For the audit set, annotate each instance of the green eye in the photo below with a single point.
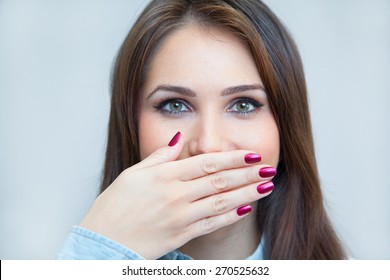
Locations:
(243, 107)
(175, 106)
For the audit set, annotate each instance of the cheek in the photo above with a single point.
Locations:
(154, 133)
(150, 138)
(270, 147)
(262, 138)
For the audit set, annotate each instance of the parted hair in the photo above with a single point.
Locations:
(292, 220)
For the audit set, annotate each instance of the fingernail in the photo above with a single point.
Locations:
(175, 139)
(264, 188)
(252, 158)
(244, 210)
(267, 172)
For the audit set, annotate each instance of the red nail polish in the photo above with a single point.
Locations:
(252, 158)
(266, 172)
(264, 188)
(244, 210)
(175, 139)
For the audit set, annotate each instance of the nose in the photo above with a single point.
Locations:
(207, 135)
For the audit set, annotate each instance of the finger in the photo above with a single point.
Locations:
(165, 154)
(227, 180)
(211, 224)
(224, 202)
(205, 164)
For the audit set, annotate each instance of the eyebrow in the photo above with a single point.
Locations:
(190, 93)
(241, 88)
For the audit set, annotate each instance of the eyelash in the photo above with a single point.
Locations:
(160, 107)
(252, 102)
(249, 100)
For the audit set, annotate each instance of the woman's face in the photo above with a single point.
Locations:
(205, 84)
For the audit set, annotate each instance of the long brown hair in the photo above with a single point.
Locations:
(292, 220)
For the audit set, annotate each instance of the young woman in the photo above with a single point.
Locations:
(210, 153)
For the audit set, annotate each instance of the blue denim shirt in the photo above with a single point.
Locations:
(83, 244)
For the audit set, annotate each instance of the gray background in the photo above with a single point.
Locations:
(55, 62)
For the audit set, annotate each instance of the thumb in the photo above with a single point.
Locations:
(167, 153)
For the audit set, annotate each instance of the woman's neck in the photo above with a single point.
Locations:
(237, 241)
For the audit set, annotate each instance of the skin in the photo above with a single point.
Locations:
(208, 65)
(186, 196)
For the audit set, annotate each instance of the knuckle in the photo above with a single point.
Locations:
(218, 182)
(238, 160)
(252, 196)
(230, 218)
(208, 225)
(167, 170)
(220, 204)
(159, 155)
(126, 173)
(251, 175)
(209, 165)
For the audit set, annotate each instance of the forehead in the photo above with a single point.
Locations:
(197, 53)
